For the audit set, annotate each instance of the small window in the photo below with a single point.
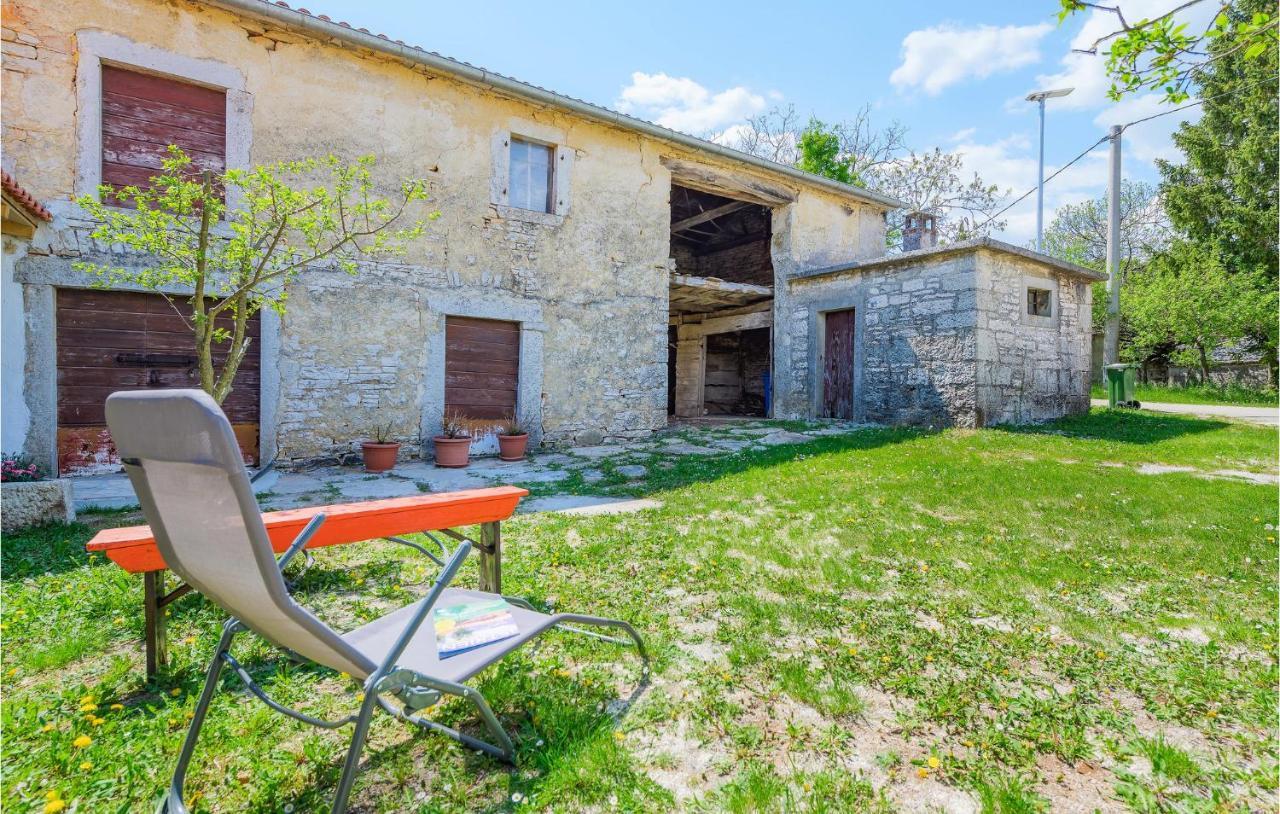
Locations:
(1038, 302)
(531, 176)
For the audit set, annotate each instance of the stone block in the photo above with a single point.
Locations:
(36, 502)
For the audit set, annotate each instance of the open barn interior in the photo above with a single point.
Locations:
(721, 301)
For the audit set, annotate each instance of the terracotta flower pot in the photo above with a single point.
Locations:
(379, 457)
(512, 447)
(452, 453)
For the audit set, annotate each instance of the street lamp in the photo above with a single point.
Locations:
(1040, 96)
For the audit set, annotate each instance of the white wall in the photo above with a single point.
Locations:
(14, 414)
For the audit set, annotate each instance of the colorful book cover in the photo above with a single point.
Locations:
(472, 624)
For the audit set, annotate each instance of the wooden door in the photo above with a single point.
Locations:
(124, 340)
(837, 366)
(482, 367)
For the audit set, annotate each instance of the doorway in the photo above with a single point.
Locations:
(837, 365)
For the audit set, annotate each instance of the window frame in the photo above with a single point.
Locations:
(1033, 298)
(549, 202)
(100, 47)
(561, 173)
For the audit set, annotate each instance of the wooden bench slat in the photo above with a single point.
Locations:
(133, 548)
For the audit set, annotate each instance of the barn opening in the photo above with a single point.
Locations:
(721, 305)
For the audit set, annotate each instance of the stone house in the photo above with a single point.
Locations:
(591, 274)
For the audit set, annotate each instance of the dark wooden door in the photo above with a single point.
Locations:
(482, 368)
(837, 367)
(123, 340)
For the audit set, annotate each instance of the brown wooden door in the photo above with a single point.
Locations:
(837, 367)
(123, 340)
(482, 367)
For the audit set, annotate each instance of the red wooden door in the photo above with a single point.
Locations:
(124, 340)
(837, 368)
(482, 368)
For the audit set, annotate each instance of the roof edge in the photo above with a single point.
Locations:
(323, 27)
(22, 198)
(962, 247)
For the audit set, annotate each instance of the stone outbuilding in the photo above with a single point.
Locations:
(591, 274)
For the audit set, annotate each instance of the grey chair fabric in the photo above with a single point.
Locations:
(184, 462)
(375, 639)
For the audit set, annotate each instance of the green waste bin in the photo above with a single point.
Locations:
(1120, 383)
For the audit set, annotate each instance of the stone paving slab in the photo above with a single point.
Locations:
(330, 484)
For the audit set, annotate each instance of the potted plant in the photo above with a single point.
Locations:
(380, 451)
(513, 440)
(31, 499)
(453, 444)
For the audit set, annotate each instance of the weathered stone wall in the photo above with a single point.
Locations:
(915, 340)
(588, 283)
(1030, 368)
(814, 232)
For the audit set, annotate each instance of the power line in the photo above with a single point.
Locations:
(1059, 171)
(1123, 127)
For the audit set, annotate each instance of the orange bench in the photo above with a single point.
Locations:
(133, 548)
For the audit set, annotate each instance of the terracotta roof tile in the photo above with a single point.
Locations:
(23, 197)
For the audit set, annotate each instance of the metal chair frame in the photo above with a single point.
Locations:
(413, 690)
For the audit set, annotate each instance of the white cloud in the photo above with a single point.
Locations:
(963, 135)
(940, 56)
(1087, 72)
(1010, 163)
(683, 104)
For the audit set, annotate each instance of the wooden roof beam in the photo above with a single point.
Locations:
(710, 214)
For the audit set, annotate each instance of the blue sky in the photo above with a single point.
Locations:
(954, 74)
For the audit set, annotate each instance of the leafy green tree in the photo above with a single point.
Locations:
(1161, 53)
(238, 260)
(820, 153)
(1223, 195)
(1188, 300)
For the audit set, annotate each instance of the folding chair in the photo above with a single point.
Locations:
(183, 460)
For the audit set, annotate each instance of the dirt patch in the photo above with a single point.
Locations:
(1080, 789)
(680, 762)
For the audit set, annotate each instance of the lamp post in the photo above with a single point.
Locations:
(1040, 96)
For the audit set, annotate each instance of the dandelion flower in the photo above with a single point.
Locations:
(853, 651)
(86, 766)
(922, 772)
(53, 806)
(82, 741)
(189, 640)
(175, 692)
(98, 721)
(619, 735)
(88, 707)
(52, 794)
(117, 707)
(47, 728)
(934, 762)
(344, 675)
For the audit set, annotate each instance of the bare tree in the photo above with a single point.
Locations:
(775, 135)
(1078, 232)
(933, 182)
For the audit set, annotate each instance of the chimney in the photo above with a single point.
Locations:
(919, 231)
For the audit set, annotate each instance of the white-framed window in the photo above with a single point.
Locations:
(532, 176)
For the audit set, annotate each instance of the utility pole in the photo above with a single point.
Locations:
(1111, 337)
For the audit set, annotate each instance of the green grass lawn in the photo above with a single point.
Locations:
(1197, 394)
(1017, 620)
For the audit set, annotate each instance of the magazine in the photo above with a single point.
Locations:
(466, 625)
